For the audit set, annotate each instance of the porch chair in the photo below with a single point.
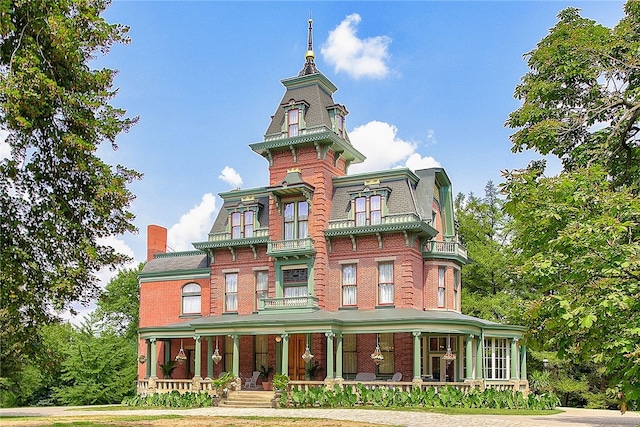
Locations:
(396, 377)
(252, 382)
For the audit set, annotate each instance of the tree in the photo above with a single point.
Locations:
(579, 239)
(119, 305)
(99, 367)
(581, 97)
(57, 197)
(483, 227)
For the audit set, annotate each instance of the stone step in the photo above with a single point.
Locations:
(250, 399)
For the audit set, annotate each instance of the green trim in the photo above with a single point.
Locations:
(200, 273)
(309, 80)
(323, 137)
(419, 227)
(386, 175)
(238, 194)
(231, 242)
(178, 254)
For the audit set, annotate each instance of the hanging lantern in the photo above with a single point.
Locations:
(377, 356)
(449, 356)
(216, 354)
(181, 357)
(307, 356)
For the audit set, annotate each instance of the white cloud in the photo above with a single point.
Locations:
(416, 162)
(356, 57)
(380, 144)
(378, 141)
(431, 137)
(193, 226)
(231, 177)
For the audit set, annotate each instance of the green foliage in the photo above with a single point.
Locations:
(98, 368)
(173, 399)
(58, 198)
(581, 96)
(265, 371)
(484, 229)
(579, 238)
(119, 305)
(443, 397)
(167, 368)
(280, 381)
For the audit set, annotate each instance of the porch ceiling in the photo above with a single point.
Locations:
(345, 321)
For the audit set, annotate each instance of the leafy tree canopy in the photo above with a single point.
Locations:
(579, 239)
(57, 198)
(581, 97)
(119, 304)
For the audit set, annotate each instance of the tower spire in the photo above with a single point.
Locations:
(309, 65)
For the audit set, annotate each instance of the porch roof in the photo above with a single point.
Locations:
(346, 321)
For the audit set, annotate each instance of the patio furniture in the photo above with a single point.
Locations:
(396, 377)
(365, 376)
(253, 381)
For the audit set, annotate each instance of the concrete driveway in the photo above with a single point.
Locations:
(571, 417)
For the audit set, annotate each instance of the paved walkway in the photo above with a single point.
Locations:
(572, 417)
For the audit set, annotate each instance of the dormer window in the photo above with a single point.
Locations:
(242, 224)
(293, 121)
(368, 210)
(337, 113)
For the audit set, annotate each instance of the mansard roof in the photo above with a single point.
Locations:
(241, 198)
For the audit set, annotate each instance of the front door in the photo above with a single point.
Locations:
(442, 370)
(297, 345)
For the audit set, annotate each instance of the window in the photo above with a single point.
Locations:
(191, 298)
(374, 214)
(231, 292)
(242, 224)
(294, 282)
(496, 360)
(293, 122)
(349, 354)
(385, 283)
(228, 354)
(439, 344)
(262, 286)
(387, 366)
(456, 287)
(340, 120)
(261, 352)
(349, 289)
(296, 220)
(441, 285)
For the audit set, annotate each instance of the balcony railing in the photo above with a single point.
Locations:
(445, 248)
(386, 220)
(218, 237)
(290, 246)
(282, 303)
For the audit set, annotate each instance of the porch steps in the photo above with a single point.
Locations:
(250, 399)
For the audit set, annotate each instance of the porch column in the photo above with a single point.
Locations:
(209, 359)
(198, 357)
(523, 362)
(154, 359)
(339, 355)
(330, 336)
(479, 357)
(469, 357)
(236, 356)
(514, 359)
(285, 354)
(417, 375)
(148, 355)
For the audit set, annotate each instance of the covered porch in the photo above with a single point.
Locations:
(425, 348)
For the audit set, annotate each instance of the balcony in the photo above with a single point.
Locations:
(290, 248)
(448, 250)
(286, 303)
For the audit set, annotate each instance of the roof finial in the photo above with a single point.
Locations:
(309, 66)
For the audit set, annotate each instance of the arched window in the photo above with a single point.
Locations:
(191, 298)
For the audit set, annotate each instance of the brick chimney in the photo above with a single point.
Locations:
(156, 241)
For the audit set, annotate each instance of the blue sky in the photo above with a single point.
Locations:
(425, 83)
